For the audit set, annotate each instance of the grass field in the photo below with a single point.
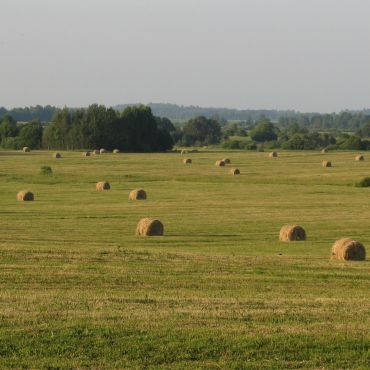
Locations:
(78, 289)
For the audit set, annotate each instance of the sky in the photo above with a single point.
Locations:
(307, 55)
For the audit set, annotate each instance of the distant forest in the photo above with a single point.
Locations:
(346, 120)
(137, 128)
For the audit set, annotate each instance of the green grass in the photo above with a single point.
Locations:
(78, 290)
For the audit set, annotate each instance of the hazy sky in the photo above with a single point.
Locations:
(308, 55)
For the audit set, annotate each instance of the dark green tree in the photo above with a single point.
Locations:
(265, 131)
(8, 128)
(202, 131)
(30, 135)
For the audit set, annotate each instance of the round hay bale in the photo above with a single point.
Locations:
(187, 161)
(137, 194)
(102, 185)
(273, 155)
(26, 149)
(116, 151)
(57, 155)
(347, 249)
(86, 154)
(25, 196)
(235, 171)
(360, 158)
(102, 151)
(220, 163)
(326, 164)
(184, 152)
(149, 227)
(227, 160)
(96, 152)
(291, 233)
(325, 150)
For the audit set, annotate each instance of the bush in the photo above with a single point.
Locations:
(364, 183)
(231, 144)
(11, 143)
(352, 142)
(271, 144)
(46, 170)
(239, 144)
(249, 145)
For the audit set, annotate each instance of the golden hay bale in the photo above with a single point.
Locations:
(25, 195)
(149, 227)
(360, 158)
(96, 152)
(187, 161)
(26, 149)
(184, 152)
(137, 194)
(325, 150)
(116, 151)
(290, 233)
(235, 171)
(220, 163)
(227, 160)
(102, 151)
(273, 155)
(326, 164)
(86, 154)
(348, 249)
(102, 185)
(57, 155)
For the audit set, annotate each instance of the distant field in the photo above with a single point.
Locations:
(78, 289)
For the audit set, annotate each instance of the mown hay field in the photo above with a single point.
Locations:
(79, 290)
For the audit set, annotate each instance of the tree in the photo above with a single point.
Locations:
(135, 129)
(351, 142)
(202, 131)
(364, 131)
(8, 127)
(265, 131)
(138, 129)
(165, 124)
(62, 123)
(30, 135)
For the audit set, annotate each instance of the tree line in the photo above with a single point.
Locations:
(135, 129)
(293, 136)
(346, 120)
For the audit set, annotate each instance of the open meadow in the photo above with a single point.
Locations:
(78, 289)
